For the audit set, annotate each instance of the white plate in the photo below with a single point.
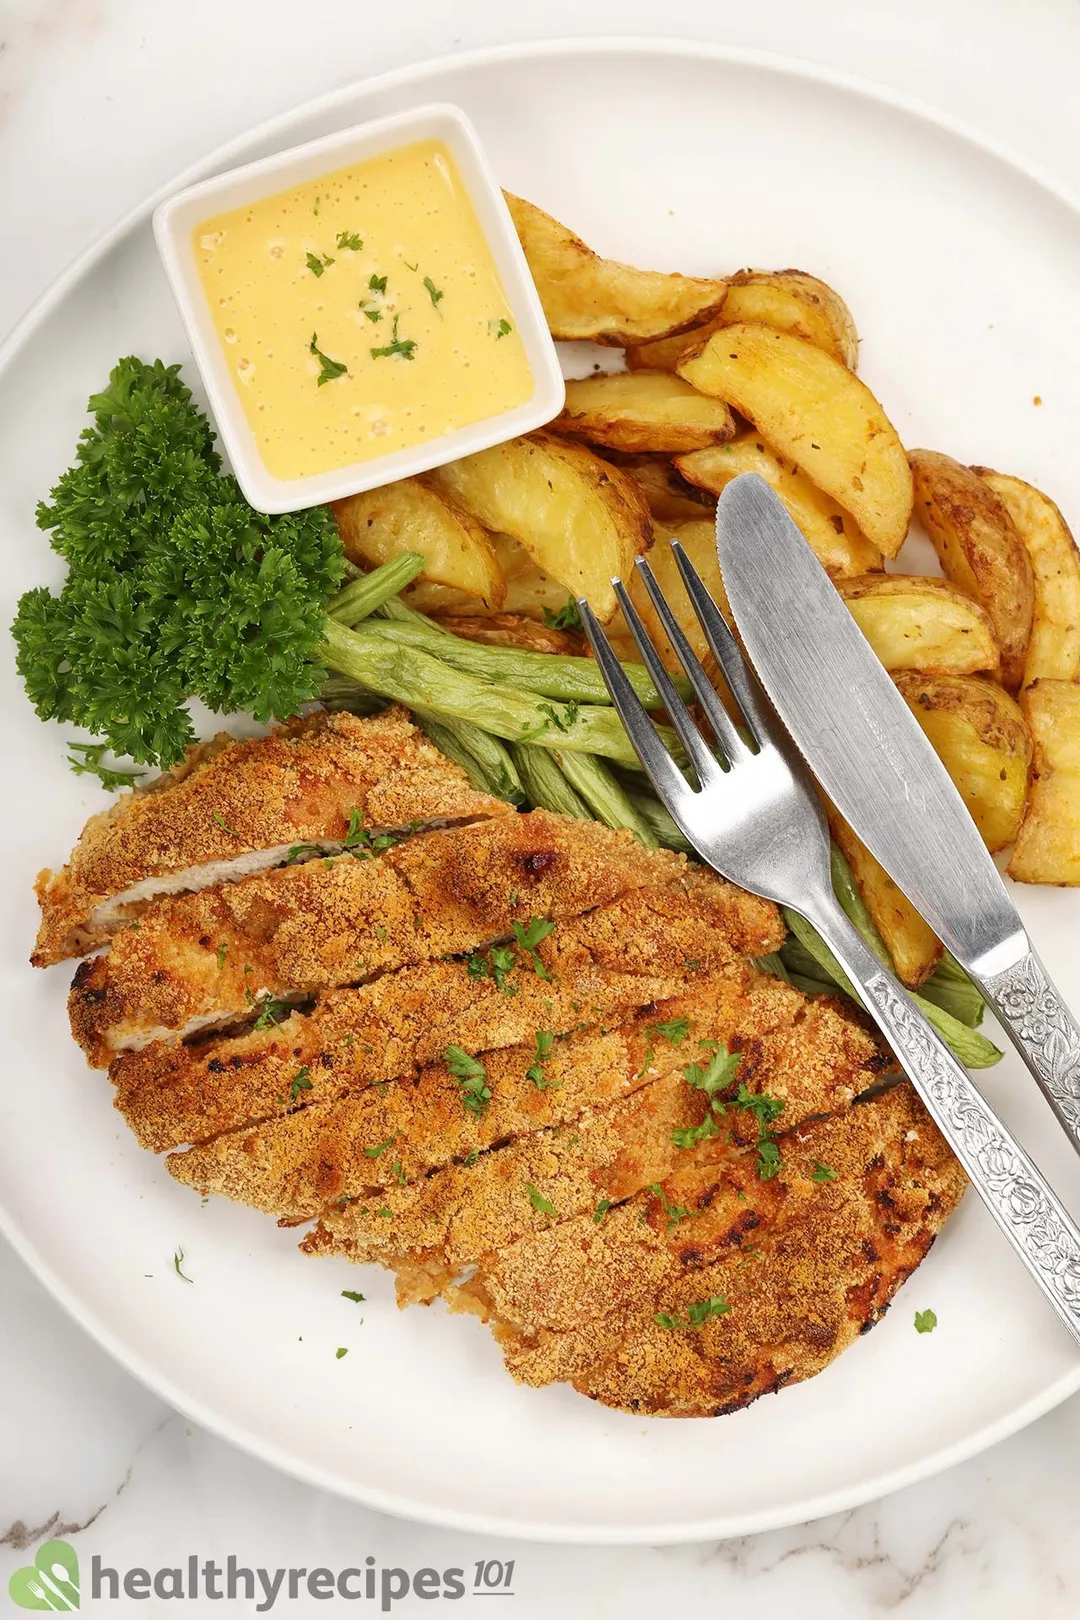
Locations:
(962, 270)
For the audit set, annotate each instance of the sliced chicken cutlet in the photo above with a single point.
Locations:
(603, 1149)
(640, 949)
(238, 807)
(696, 1297)
(209, 958)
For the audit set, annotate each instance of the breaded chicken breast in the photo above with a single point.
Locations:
(234, 808)
(600, 967)
(716, 1286)
(204, 959)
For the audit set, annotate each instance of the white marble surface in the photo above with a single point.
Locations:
(100, 101)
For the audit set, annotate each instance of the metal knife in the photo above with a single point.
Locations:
(870, 755)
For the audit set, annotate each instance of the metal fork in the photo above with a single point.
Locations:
(756, 818)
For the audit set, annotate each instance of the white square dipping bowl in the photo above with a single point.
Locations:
(175, 221)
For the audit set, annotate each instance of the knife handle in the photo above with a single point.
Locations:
(1044, 1032)
(1013, 1188)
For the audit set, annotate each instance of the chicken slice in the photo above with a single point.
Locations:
(239, 807)
(605, 1149)
(695, 1298)
(207, 959)
(640, 949)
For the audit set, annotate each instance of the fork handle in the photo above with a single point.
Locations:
(1043, 1030)
(1012, 1187)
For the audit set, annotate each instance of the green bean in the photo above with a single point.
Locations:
(368, 592)
(545, 785)
(605, 795)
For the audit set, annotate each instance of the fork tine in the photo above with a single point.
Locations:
(660, 768)
(728, 654)
(731, 743)
(706, 766)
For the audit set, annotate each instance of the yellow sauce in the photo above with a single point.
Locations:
(387, 254)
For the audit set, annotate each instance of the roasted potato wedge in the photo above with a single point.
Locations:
(833, 533)
(585, 296)
(912, 943)
(922, 624)
(698, 540)
(580, 518)
(816, 413)
(979, 549)
(514, 630)
(643, 410)
(529, 591)
(787, 300)
(1048, 843)
(669, 497)
(1053, 652)
(414, 516)
(983, 741)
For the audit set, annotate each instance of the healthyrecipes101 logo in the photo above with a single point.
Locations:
(51, 1581)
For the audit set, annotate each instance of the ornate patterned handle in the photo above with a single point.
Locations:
(1013, 1189)
(1044, 1032)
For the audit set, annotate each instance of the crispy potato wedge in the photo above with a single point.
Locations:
(585, 296)
(698, 540)
(580, 518)
(669, 497)
(922, 624)
(514, 630)
(1053, 652)
(1048, 843)
(983, 741)
(912, 943)
(816, 413)
(529, 591)
(787, 300)
(641, 411)
(979, 549)
(414, 516)
(833, 533)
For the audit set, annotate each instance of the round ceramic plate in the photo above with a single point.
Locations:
(961, 268)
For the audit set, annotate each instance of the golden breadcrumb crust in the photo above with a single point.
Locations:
(209, 957)
(300, 784)
(642, 948)
(804, 1263)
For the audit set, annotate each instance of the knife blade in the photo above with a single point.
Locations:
(871, 757)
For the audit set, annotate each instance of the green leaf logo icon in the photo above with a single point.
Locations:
(51, 1581)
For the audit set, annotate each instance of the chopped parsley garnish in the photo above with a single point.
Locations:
(317, 263)
(564, 618)
(224, 825)
(713, 1078)
(272, 1011)
(405, 347)
(601, 1210)
(350, 240)
(472, 1078)
(222, 953)
(471, 1158)
(532, 934)
(765, 1109)
(111, 779)
(303, 852)
(822, 1172)
(435, 293)
(350, 1293)
(372, 312)
(397, 1170)
(178, 1261)
(501, 327)
(342, 1350)
(692, 1135)
(674, 1031)
(330, 368)
(545, 1040)
(562, 721)
(696, 1314)
(498, 962)
(925, 1321)
(674, 1212)
(353, 832)
(301, 1082)
(691, 964)
(409, 266)
(387, 1214)
(377, 284)
(376, 1152)
(542, 1205)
